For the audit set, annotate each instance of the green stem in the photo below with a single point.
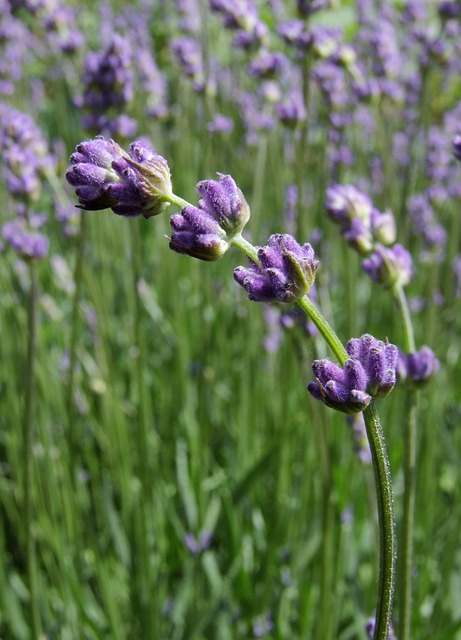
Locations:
(246, 247)
(401, 300)
(323, 326)
(408, 516)
(78, 278)
(28, 425)
(387, 540)
(305, 303)
(144, 592)
(406, 542)
(179, 202)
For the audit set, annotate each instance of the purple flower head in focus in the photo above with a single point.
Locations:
(417, 368)
(131, 184)
(389, 266)
(379, 360)
(370, 372)
(285, 274)
(340, 388)
(205, 232)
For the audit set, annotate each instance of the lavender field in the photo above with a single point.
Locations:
(230, 313)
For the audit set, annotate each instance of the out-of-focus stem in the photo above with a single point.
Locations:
(28, 426)
(78, 278)
(409, 466)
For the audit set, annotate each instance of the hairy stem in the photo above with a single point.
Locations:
(386, 521)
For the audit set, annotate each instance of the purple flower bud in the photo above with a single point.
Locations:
(383, 227)
(292, 111)
(389, 266)
(358, 236)
(267, 64)
(28, 244)
(417, 368)
(220, 124)
(449, 9)
(379, 360)
(223, 200)
(346, 202)
(196, 233)
(370, 372)
(286, 271)
(205, 232)
(105, 176)
(341, 388)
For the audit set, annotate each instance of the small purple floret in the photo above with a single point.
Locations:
(370, 372)
(285, 274)
(379, 360)
(131, 184)
(389, 266)
(205, 232)
(418, 367)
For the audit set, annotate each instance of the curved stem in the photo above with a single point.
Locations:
(305, 303)
(248, 249)
(27, 432)
(386, 521)
(323, 326)
(179, 202)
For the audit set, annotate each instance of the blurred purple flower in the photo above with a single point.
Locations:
(417, 368)
(26, 243)
(389, 266)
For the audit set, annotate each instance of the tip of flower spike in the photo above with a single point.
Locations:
(131, 184)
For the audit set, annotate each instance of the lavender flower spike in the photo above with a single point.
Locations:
(379, 360)
(131, 184)
(343, 389)
(370, 372)
(417, 368)
(389, 266)
(285, 274)
(205, 232)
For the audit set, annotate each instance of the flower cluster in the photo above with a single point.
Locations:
(25, 153)
(285, 273)
(27, 243)
(131, 184)
(108, 81)
(371, 233)
(417, 368)
(369, 373)
(205, 231)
